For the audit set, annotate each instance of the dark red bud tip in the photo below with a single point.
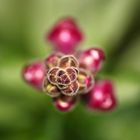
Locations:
(102, 96)
(34, 74)
(65, 103)
(65, 35)
(92, 59)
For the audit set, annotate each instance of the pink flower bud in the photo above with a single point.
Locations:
(34, 73)
(92, 59)
(102, 96)
(65, 103)
(65, 35)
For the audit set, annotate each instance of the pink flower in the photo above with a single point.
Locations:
(66, 78)
(34, 74)
(65, 35)
(102, 96)
(67, 74)
(92, 59)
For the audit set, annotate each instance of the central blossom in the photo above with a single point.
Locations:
(65, 76)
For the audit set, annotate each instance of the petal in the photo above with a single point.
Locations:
(72, 73)
(50, 89)
(86, 81)
(52, 75)
(68, 61)
(71, 90)
(62, 86)
(63, 78)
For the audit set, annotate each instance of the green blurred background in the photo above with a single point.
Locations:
(26, 114)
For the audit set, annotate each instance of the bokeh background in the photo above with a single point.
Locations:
(26, 114)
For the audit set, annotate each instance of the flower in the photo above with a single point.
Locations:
(67, 74)
(65, 35)
(67, 78)
(34, 74)
(65, 103)
(92, 59)
(102, 96)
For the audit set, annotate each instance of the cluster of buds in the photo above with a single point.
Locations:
(68, 75)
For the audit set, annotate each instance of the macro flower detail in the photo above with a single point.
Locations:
(68, 75)
(67, 78)
(86, 81)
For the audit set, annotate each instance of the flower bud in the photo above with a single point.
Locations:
(65, 103)
(102, 96)
(65, 35)
(34, 73)
(92, 59)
